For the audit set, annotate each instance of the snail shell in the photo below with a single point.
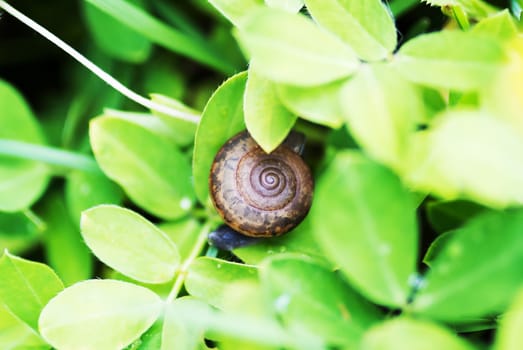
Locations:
(260, 194)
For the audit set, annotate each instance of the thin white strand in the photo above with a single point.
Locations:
(97, 70)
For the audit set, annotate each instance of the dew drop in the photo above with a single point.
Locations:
(282, 302)
(185, 203)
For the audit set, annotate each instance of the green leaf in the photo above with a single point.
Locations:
(221, 119)
(410, 334)
(318, 104)
(300, 240)
(19, 231)
(26, 286)
(208, 278)
(181, 131)
(21, 181)
(84, 190)
(450, 59)
(129, 243)
(383, 128)
(499, 26)
(246, 298)
(151, 170)
(365, 222)
(477, 272)
(436, 247)
(447, 215)
(504, 96)
(306, 295)
(244, 326)
(14, 334)
(159, 33)
(366, 26)
(236, 10)
(267, 120)
(491, 150)
(99, 314)
(64, 248)
(176, 333)
(291, 6)
(509, 335)
(116, 39)
(289, 48)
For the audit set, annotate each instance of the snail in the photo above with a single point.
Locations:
(261, 194)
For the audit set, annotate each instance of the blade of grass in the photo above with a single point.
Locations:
(163, 35)
(115, 84)
(399, 7)
(173, 15)
(48, 155)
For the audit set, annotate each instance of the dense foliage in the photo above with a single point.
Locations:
(412, 112)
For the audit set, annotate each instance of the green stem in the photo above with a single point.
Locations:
(111, 81)
(49, 155)
(184, 267)
(461, 17)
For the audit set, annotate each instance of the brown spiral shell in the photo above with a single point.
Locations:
(260, 194)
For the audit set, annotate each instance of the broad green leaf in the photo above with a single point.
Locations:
(181, 131)
(499, 26)
(411, 334)
(509, 336)
(84, 190)
(243, 325)
(154, 124)
(222, 118)
(115, 38)
(289, 48)
(176, 333)
(159, 33)
(150, 340)
(448, 215)
(384, 127)
(267, 120)
(436, 247)
(19, 231)
(306, 295)
(477, 272)
(318, 104)
(208, 278)
(504, 97)
(151, 170)
(129, 243)
(291, 6)
(490, 149)
(99, 314)
(15, 334)
(245, 297)
(450, 59)
(300, 240)
(366, 26)
(21, 181)
(236, 10)
(64, 247)
(26, 286)
(365, 222)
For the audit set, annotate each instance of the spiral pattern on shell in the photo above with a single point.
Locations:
(260, 194)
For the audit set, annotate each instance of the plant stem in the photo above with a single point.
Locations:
(49, 155)
(195, 252)
(111, 81)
